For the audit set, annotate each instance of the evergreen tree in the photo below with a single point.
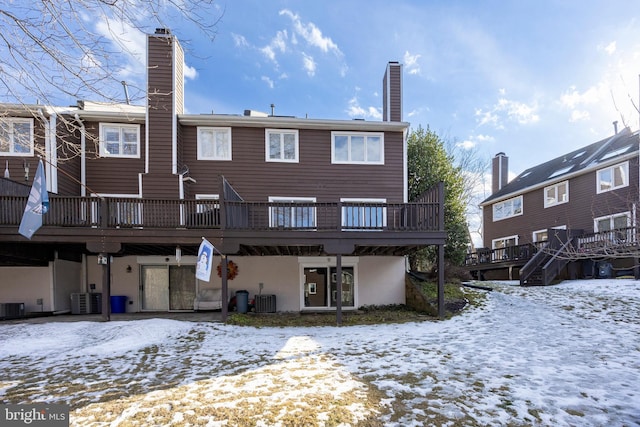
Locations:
(429, 163)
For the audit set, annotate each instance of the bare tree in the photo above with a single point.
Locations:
(54, 51)
(473, 168)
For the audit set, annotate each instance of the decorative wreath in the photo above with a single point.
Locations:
(232, 270)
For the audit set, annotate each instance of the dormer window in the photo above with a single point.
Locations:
(613, 177)
(119, 140)
(556, 194)
(16, 137)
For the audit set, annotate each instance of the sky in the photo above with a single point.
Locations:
(533, 79)
(562, 355)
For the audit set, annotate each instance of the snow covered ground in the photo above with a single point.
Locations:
(564, 355)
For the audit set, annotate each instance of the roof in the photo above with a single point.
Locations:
(622, 145)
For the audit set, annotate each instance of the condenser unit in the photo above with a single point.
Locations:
(90, 303)
(11, 310)
(265, 303)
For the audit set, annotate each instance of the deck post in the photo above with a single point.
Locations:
(441, 282)
(338, 289)
(224, 310)
(105, 261)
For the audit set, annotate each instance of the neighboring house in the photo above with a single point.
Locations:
(568, 207)
(135, 189)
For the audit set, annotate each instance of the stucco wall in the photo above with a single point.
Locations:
(67, 279)
(27, 285)
(380, 280)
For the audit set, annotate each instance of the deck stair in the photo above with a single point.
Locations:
(547, 263)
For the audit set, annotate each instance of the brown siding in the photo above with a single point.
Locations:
(68, 141)
(165, 59)
(161, 64)
(392, 93)
(584, 205)
(108, 174)
(314, 176)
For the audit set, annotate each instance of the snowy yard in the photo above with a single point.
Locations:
(565, 355)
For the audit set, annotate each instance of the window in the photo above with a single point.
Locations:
(507, 209)
(556, 194)
(214, 143)
(118, 140)
(358, 148)
(613, 177)
(292, 212)
(540, 235)
(615, 228)
(612, 222)
(211, 205)
(281, 145)
(503, 247)
(16, 137)
(362, 214)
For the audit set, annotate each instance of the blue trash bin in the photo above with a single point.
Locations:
(242, 301)
(118, 304)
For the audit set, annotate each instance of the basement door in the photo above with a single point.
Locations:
(168, 287)
(320, 287)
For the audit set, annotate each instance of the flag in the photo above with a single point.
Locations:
(37, 205)
(205, 260)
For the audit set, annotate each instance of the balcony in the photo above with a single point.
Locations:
(118, 212)
(300, 228)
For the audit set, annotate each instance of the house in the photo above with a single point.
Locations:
(311, 214)
(562, 217)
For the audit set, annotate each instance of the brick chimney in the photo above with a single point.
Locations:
(165, 100)
(499, 172)
(392, 93)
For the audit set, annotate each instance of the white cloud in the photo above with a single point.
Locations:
(474, 140)
(239, 41)
(484, 138)
(611, 48)
(131, 41)
(189, 72)
(466, 144)
(309, 64)
(411, 63)
(278, 43)
(518, 111)
(311, 33)
(507, 110)
(268, 81)
(487, 117)
(355, 110)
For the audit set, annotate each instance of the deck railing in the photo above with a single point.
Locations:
(121, 212)
(609, 241)
(508, 253)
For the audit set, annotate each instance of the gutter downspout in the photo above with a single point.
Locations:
(83, 159)
(49, 149)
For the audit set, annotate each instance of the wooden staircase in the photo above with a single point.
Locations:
(547, 263)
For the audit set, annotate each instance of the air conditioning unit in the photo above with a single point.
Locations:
(265, 303)
(86, 303)
(11, 310)
(80, 304)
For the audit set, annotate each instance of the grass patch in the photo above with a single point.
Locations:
(366, 315)
(456, 299)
